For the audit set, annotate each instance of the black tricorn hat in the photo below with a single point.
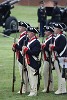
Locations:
(23, 24)
(48, 28)
(58, 25)
(32, 29)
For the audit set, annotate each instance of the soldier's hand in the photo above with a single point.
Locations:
(14, 47)
(43, 46)
(24, 49)
(51, 46)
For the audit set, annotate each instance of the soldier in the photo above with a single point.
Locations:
(59, 48)
(64, 16)
(41, 13)
(18, 48)
(31, 52)
(56, 14)
(50, 39)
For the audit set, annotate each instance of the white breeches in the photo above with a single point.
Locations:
(25, 76)
(46, 76)
(61, 81)
(33, 80)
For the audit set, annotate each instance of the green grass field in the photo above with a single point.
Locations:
(27, 14)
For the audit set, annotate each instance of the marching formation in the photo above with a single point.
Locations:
(31, 53)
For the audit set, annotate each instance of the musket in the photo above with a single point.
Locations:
(41, 48)
(22, 79)
(50, 70)
(14, 77)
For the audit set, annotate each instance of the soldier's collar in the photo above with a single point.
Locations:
(34, 37)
